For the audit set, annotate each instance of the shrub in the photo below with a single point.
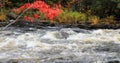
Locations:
(71, 17)
(101, 8)
(94, 20)
(108, 20)
(49, 12)
(2, 16)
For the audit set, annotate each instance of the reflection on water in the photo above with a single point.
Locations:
(53, 45)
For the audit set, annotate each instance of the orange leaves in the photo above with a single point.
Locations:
(94, 20)
(1, 5)
(18, 10)
(49, 12)
(2, 16)
(39, 5)
(109, 20)
(27, 18)
(35, 16)
(31, 19)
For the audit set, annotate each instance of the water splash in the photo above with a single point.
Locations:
(62, 45)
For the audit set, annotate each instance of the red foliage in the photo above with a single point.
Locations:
(35, 16)
(24, 6)
(49, 12)
(27, 18)
(1, 5)
(18, 10)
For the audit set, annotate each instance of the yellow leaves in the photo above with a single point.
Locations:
(94, 20)
(108, 20)
(2, 16)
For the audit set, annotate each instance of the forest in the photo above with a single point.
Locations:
(80, 13)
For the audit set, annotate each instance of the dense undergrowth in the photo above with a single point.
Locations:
(63, 11)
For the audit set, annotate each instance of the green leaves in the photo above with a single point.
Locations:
(71, 17)
(117, 1)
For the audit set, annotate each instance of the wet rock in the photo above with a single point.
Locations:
(108, 47)
(114, 61)
(66, 32)
(78, 30)
(12, 61)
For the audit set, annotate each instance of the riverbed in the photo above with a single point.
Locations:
(59, 45)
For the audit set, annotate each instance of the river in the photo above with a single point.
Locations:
(59, 45)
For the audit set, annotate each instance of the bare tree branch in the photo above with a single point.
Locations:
(17, 18)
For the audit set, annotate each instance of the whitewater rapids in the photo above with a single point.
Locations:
(54, 45)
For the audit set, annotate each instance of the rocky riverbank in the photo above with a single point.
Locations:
(44, 23)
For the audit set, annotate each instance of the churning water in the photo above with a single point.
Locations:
(54, 45)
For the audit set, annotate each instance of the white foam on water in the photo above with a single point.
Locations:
(50, 35)
(66, 41)
(34, 39)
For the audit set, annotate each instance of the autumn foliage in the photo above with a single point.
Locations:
(39, 5)
(93, 12)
